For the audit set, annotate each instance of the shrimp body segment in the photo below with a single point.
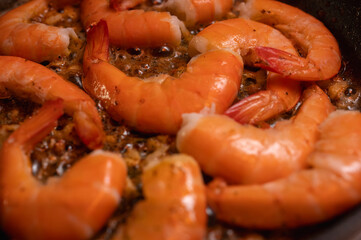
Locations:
(122, 5)
(244, 36)
(323, 59)
(133, 28)
(34, 41)
(74, 206)
(331, 186)
(156, 105)
(174, 205)
(246, 154)
(199, 11)
(28, 79)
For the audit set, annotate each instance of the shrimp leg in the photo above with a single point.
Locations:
(246, 154)
(330, 186)
(74, 206)
(155, 105)
(27, 79)
(34, 41)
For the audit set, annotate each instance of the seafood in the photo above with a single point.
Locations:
(122, 5)
(34, 41)
(133, 28)
(323, 57)
(246, 154)
(329, 187)
(155, 105)
(174, 205)
(28, 79)
(243, 36)
(73, 206)
(198, 11)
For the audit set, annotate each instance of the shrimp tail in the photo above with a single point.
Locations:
(281, 96)
(279, 61)
(34, 129)
(88, 130)
(98, 41)
(256, 108)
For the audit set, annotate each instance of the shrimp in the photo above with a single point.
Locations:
(199, 11)
(155, 105)
(134, 28)
(246, 154)
(329, 187)
(74, 206)
(243, 36)
(34, 41)
(323, 59)
(174, 205)
(28, 79)
(122, 5)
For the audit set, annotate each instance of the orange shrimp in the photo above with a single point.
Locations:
(133, 28)
(243, 36)
(198, 11)
(174, 205)
(74, 206)
(331, 186)
(24, 78)
(34, 41)
(122, 5)
(155, 105)
(246, 154)
(323, 59)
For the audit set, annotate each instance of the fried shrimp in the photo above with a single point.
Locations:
(133, 28)
(330, 187)
(174, 205)
(246, 154)
(199, 11)
(27, 79)
(73, 206)
(323, 59)
(34, 41)
(122, 5)
(244, 36)
(155, 105)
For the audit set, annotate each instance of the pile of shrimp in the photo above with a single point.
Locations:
(138, 155)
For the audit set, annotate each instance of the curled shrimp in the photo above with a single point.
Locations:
(196, 11)
(24, 78)
(122, 5)
(34, 41)
(155, 105)
(246, 154)
(174, 205)
(243, 36)
(329, 187)
(133, 28)
(74, 206)
(323, 59)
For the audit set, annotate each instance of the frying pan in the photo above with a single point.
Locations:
(343, 19)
